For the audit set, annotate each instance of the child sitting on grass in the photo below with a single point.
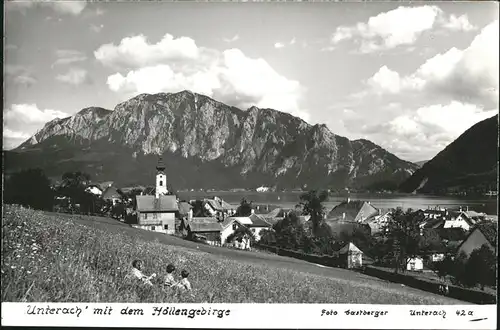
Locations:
(137, 272)
(169, 278)
(184, 283)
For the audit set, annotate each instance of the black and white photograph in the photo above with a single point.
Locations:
(189, 152)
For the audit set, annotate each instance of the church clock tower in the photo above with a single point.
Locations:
(161, 179)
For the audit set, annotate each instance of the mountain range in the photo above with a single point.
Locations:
(469, 164)
(204, 144)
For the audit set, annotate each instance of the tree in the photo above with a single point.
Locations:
(430, 241)
(199, 210)
(360, 236)
(290, 234)
(119, 211)
(267, 237)
(444, 267)
(481, 266)
(311, 203)
(245, 208)
(241, 234)
(30, 188)
(73, 186)
(459, 271)
(404, 232)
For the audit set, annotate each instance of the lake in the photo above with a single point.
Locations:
(386, 201)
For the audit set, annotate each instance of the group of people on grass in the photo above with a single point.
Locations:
(169, 280)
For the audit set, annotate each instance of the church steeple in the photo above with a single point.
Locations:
(160, 166)
(161, 179)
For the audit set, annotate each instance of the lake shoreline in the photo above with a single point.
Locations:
(488, 205)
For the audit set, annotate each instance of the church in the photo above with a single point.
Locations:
(157, 212)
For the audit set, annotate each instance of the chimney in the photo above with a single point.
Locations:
(343, 216)
(348, 199)
(253, 211)
(467, 208)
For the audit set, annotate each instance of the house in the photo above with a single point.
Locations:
(208, 228)
(355, 211)
(111, 195)
(94, 189)
(185, 212)
(482, 233)
(434, 213)
(276, 215)
(378, 223)
(459, 219)
(350, 256)
(217, 207)
(415, 263)
(157, 212)
(215, 232)
(256, 223)
(104, 185)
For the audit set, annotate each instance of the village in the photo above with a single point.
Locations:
(215, 222)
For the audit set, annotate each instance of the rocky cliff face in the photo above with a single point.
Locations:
(234, 148)
(469, 164)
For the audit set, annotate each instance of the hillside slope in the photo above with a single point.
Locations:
(68, 258)
(206, 144)
(470, 163)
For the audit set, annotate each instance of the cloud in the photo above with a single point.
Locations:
(460, 23)
(233, 39)
(469, 75)
(74, 76)
(96, 28)
(68, 56)
(23, 120)
(422, 133)
(398, 27)
(136, 51)
(229, 76)
(12, 139)
(19, 75)
(61, 6)
(279, 45)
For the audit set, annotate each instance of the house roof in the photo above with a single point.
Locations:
(149, 191)
(488, 229)
(184, 207)
(105, 184)
(258, 221)
(474, 214)
(277, 213)
(430, 211)
(434, 223)
(164, 203)
(253, 220)
(349, 247)
(203, 219)
(110, 192)
(354, 211)
(198, 227)
(226, 206)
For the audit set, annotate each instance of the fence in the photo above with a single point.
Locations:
(325, 260)
(473, 296)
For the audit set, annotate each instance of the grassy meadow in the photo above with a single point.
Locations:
(49, 257)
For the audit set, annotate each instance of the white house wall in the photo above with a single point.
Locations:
(158, 219)
(225, 233)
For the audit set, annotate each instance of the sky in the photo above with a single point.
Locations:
(410, 77)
